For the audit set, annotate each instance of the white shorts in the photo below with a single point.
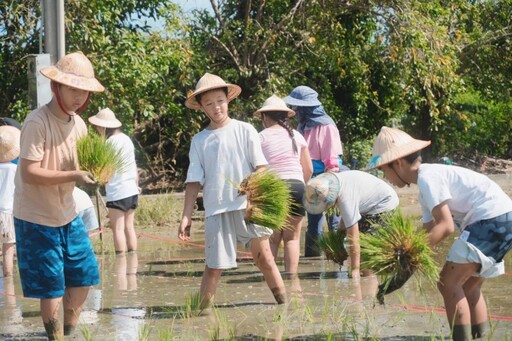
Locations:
(7, 234)
(463, 252)
(222, 231)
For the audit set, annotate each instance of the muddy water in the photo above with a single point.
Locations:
(143, 297)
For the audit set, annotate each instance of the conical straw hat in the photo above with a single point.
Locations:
(321, 193)
(74, 70)
(392, 144)
(211, 82)
(274, 103)
(105, 118)
(9, 143)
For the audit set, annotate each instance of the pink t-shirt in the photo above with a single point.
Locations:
(278, 150)
(324, 144)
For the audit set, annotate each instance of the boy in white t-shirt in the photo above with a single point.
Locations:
(452, 197)
(225, 152)
(9, 151)
(361, 199)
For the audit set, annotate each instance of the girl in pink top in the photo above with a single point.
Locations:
(324, 143)
(287, 154)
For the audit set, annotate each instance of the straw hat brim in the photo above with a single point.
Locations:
(233, 92)
(115, 123)
(74, 81)
(301, 103)
(10, 150)
(290, 112)
(396, 153)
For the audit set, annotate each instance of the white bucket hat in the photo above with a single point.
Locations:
(321, 193)
(105, 118)
(392, 144)
(74, 70)
(9, 143)
(274, 103)
(211, 82)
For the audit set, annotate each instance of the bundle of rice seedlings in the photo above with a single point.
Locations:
(268, 199)
(99, 157)
(395, 252)
(332, 243)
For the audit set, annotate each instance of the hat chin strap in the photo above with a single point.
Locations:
(55, 88)
(393, 168)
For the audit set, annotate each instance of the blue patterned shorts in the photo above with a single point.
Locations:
(53, 258)
(485, 242)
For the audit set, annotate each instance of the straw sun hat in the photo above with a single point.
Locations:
(303, 96)
(105, 118)
(274, 103)
(74, 70)
(211, 82)
(392, 144)
(321, 193)
(9, 143)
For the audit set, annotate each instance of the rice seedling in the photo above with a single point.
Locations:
(99, 157)
(395, 252)
(155, 210)
(332, 243)
(268, 199)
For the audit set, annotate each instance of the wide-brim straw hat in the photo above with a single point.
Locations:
(274, 103)
(392, 144)
(211, 82)
(105, 118)
(74, 70)
(303, 96)
(321, 193)
(9, 143)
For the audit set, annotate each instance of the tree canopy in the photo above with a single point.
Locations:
(439, 69)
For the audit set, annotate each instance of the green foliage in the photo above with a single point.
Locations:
(332, 243)
(155, 211)
(99, 157)
(396, 250)
(360, 154)
(268, 199)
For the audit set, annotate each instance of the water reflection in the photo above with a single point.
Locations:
(10, 314)
(126, 271)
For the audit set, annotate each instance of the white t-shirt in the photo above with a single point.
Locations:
(123, 185)
(471, 196)
(7, 173)
(278, 150)
(219, 160)
(82, 200)
(363, 194)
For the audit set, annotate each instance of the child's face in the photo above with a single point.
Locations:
(72, 98)
(392, 172)
(215, 105)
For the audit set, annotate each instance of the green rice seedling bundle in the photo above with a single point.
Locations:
(395, 252)
(332, 243)
(99, 157)
(268, 199)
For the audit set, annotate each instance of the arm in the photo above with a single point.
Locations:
(307, 165)
(442, 225)
(191, 192)
(33, 173)
(354, 250)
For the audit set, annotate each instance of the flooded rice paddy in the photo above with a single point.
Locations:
(143, 296)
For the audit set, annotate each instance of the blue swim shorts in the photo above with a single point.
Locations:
(53, 258)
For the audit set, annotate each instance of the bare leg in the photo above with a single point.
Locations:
(8, 258)
(477, 306)
(275, 240)
(451, 285)
(74, 299)
(117, 223)
(291, 237)
(50, 315)
(129, 230)
(209, 283)
(260, 248)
